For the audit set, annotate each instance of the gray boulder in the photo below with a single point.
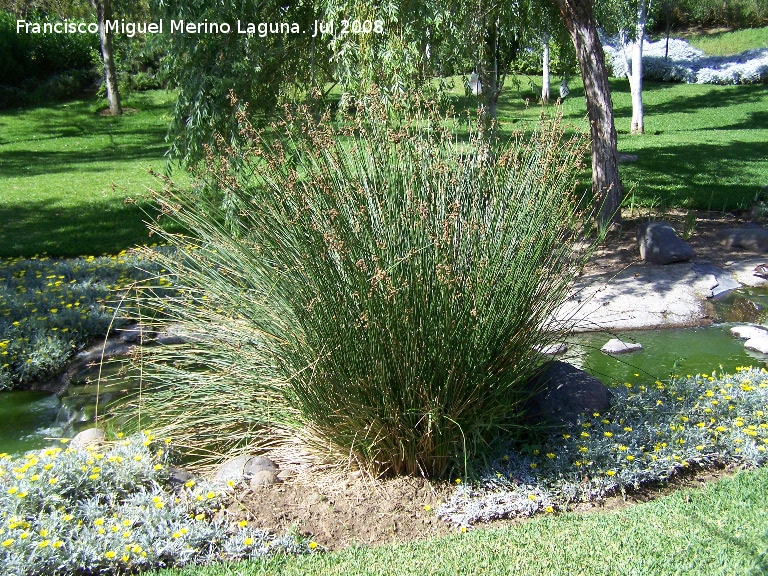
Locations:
(563, 392)
(659, 244)
(758, 344)
(616, 346)
(749, 332)
(88, 437)
(753, 238)
(264, 478)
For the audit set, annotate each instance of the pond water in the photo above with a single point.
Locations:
(28, 418)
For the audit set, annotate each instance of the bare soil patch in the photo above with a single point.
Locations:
(620, 248)
(337, 513)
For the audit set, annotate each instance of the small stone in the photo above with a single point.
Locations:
(659, 244)
(552, 349)
(616, 346)
(759, 344)
(233, 469)
(257, 464)
(131, 334)
(88, 437)
(263, 478)
(749, 332)
(177, 477)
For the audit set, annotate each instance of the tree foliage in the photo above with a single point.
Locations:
(206, 68)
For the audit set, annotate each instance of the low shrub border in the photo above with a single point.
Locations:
(108, 510)
(652, 433)
(50, 308)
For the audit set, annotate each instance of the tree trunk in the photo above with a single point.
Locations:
(545, 69)
(606, 184)
(636, 82)
(489, 77)
(103, 14)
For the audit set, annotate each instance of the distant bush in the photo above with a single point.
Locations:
(53, 65)
(711, 13)
(372, 293)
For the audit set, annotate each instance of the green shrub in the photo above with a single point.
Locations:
(372, 292)
(737, 13)
(43, 66)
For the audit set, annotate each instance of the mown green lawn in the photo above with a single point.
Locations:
(729, 43)
(705, 146)
(66, 174)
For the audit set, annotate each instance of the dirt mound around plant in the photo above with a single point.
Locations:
(337, 513)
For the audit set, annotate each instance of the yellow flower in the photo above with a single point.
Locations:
(189, 483)
(199, 516)
(242, 523)
(531, 496)
(458, 480)
(7, 543)
(313, 545)
(248, 541)
(98, 522)
(44, 544)
(58, 544)
(549, 509)
(630, 457)
(551, 455)
(611, 473)
(608, 434)
(427, 507)
(111, 554)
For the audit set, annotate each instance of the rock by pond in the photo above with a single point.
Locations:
(659, 243)
(563, 392)
(617, 346)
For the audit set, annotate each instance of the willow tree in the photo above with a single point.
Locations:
(262, 69)
(579, 18)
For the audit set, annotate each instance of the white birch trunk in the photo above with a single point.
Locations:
(545, 69)
(636, 81)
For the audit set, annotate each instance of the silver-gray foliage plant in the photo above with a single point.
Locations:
(691, 65)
